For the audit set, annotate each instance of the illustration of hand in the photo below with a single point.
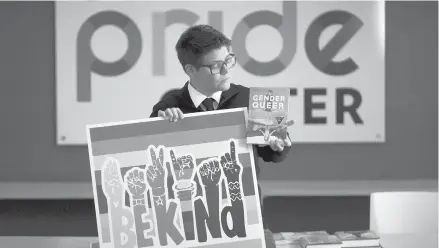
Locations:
(257, 127)
(136, 183)
(183, 167)
(184, 171)
(156, 173)
(232, 170)
(185, 189)
(112, 184)
(289, 123)
(210, 173)
(231, 167)
(283, 127)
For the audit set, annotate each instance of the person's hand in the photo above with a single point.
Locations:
(278, 145)
(171, 114)
(156, 173)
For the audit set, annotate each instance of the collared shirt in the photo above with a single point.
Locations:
(197, 97)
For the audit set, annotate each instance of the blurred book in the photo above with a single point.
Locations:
(292, 239)
(94, 245)
(365, 238)
(267, 114)
(320, 241)
(282, 238)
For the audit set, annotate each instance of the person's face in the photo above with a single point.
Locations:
(214, 72)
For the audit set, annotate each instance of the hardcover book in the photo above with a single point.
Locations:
(366, 238)
(268, 114)
(293, 238)
(320, 241)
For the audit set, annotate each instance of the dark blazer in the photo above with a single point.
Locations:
(236, 97)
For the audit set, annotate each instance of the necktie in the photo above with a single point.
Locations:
(208, 103)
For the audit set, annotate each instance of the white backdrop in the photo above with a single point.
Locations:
(84, 52)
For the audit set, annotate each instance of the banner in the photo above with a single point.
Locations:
(115, 60)
(187, 184)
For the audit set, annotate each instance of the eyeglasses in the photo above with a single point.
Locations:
(215, 68)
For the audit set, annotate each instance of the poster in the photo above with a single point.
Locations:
(121, 55)
(186, 184)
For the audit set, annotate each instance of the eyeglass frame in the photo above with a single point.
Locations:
(230, 56)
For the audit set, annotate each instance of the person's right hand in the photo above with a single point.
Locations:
(171, 114)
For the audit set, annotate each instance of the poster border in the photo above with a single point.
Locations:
(151, 119)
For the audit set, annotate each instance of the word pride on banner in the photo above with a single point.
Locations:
(186, 184)
(120, 56)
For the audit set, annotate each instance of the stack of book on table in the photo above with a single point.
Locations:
(322, 239)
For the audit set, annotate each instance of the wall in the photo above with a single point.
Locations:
(411, 147)
(27, 104)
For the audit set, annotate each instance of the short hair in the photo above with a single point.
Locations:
(198, 40)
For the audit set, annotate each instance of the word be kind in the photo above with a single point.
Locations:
(151, 217)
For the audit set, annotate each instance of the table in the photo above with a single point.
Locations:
(387, 241)
(409, 241)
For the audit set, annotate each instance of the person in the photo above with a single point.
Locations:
(206, 57)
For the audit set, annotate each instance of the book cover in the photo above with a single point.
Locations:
(358, 238)
(268, 114)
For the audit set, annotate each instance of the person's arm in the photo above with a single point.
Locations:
(268, 155)
(159, 106)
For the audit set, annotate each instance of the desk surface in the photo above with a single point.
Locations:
(402, 241)
(387, 241)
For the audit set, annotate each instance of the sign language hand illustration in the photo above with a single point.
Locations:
(184, 166)
(156, 173)
(136, 182)
(112, 180)
(232, 170)
(231, 167)
(185, 189)
(210, 172)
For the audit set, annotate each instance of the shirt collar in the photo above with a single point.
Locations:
(197, 97)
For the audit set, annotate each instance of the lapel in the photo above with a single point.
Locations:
(185, 97)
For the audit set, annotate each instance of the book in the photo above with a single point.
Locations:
(292, 239)
(94, 245)
(362, 238)
(320, 241)
(282, 238)
(267, 114)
